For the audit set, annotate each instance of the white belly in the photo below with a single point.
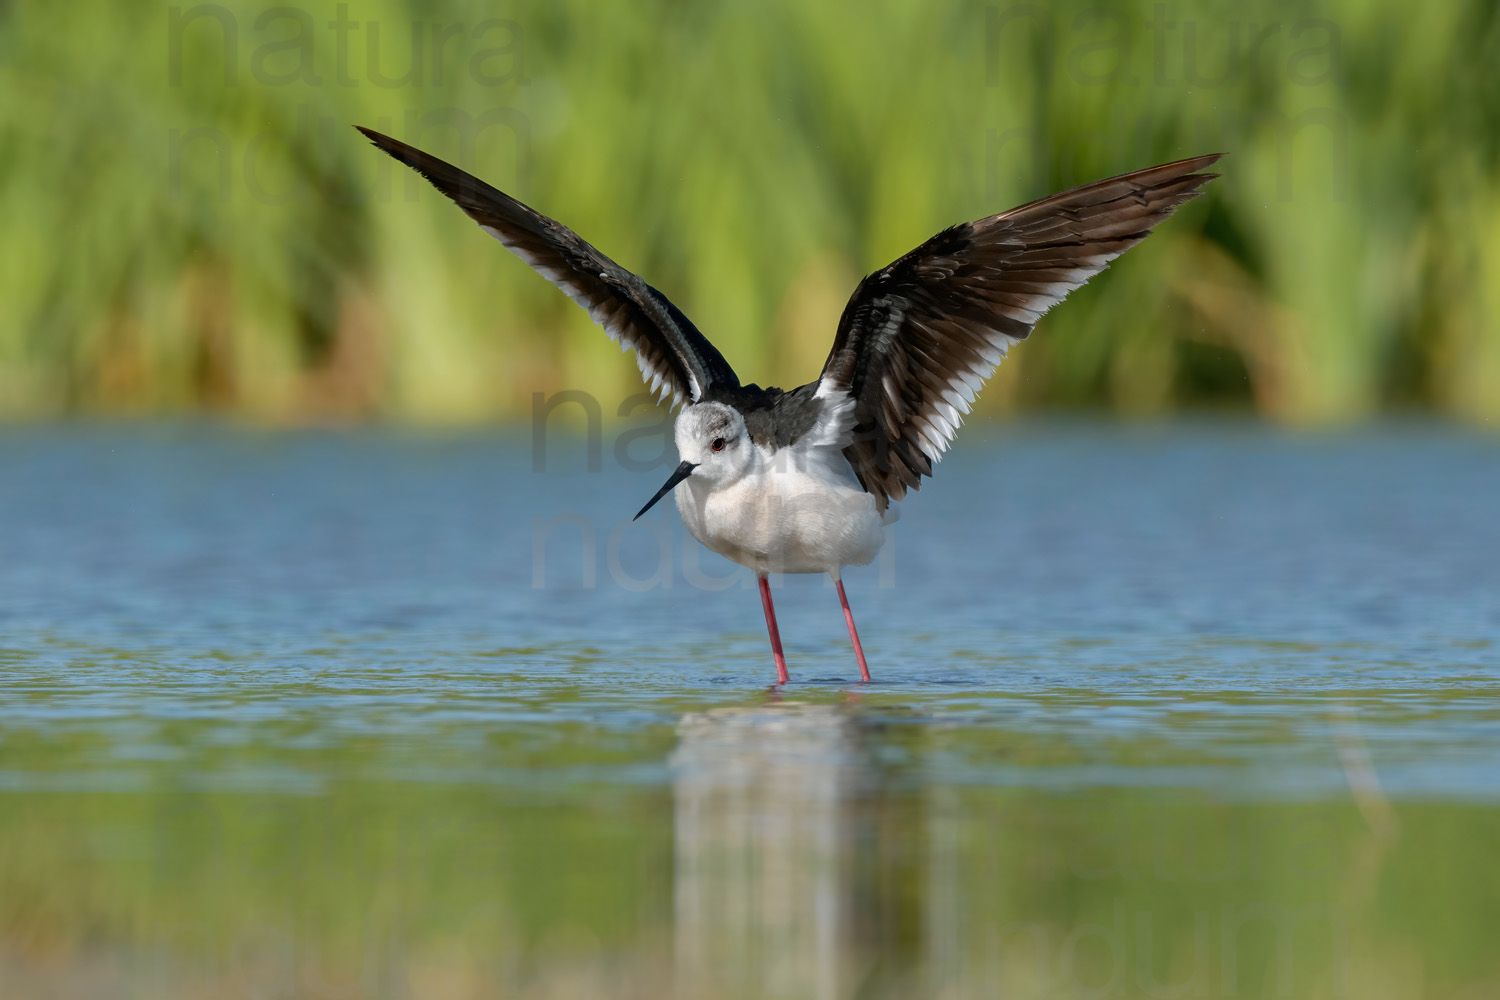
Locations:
(785, 522)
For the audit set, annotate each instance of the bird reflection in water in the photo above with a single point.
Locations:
(775, 823)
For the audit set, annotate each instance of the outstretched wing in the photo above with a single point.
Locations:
(671, 352)
(919, 338)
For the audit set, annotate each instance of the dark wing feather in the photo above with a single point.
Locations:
(672, 354)
(919, 338)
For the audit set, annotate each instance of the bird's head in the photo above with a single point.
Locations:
(713, 437)
(713, 444)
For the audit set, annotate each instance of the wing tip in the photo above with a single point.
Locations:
(1191, 165)
(379, 139)
(435, 170)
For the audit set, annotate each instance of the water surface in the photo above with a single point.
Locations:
(1189, 710)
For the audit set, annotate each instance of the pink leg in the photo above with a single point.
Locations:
(765, 599)
(859, 651)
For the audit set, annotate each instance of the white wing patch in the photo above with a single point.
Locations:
(835, 426)
(820, 451)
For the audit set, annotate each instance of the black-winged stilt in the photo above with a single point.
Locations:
(801, 481)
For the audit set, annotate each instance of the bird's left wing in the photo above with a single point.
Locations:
(919, 337)
(672, 354)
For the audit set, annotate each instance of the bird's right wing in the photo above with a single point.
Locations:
(672, 354)
(920, 337)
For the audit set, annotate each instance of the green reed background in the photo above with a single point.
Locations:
(191, 224)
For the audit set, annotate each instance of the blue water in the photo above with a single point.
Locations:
(1233, 600)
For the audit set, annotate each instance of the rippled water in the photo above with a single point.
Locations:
(1203, 708)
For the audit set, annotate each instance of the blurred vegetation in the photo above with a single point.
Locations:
(193, 225)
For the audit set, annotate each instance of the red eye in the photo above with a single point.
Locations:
(718, 444)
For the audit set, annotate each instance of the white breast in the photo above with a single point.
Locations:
(797, 510)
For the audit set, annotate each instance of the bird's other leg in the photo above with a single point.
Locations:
(765, 599)
(859, 651)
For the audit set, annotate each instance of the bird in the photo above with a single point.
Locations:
(802, 481)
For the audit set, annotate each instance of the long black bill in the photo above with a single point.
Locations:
(678, 475)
